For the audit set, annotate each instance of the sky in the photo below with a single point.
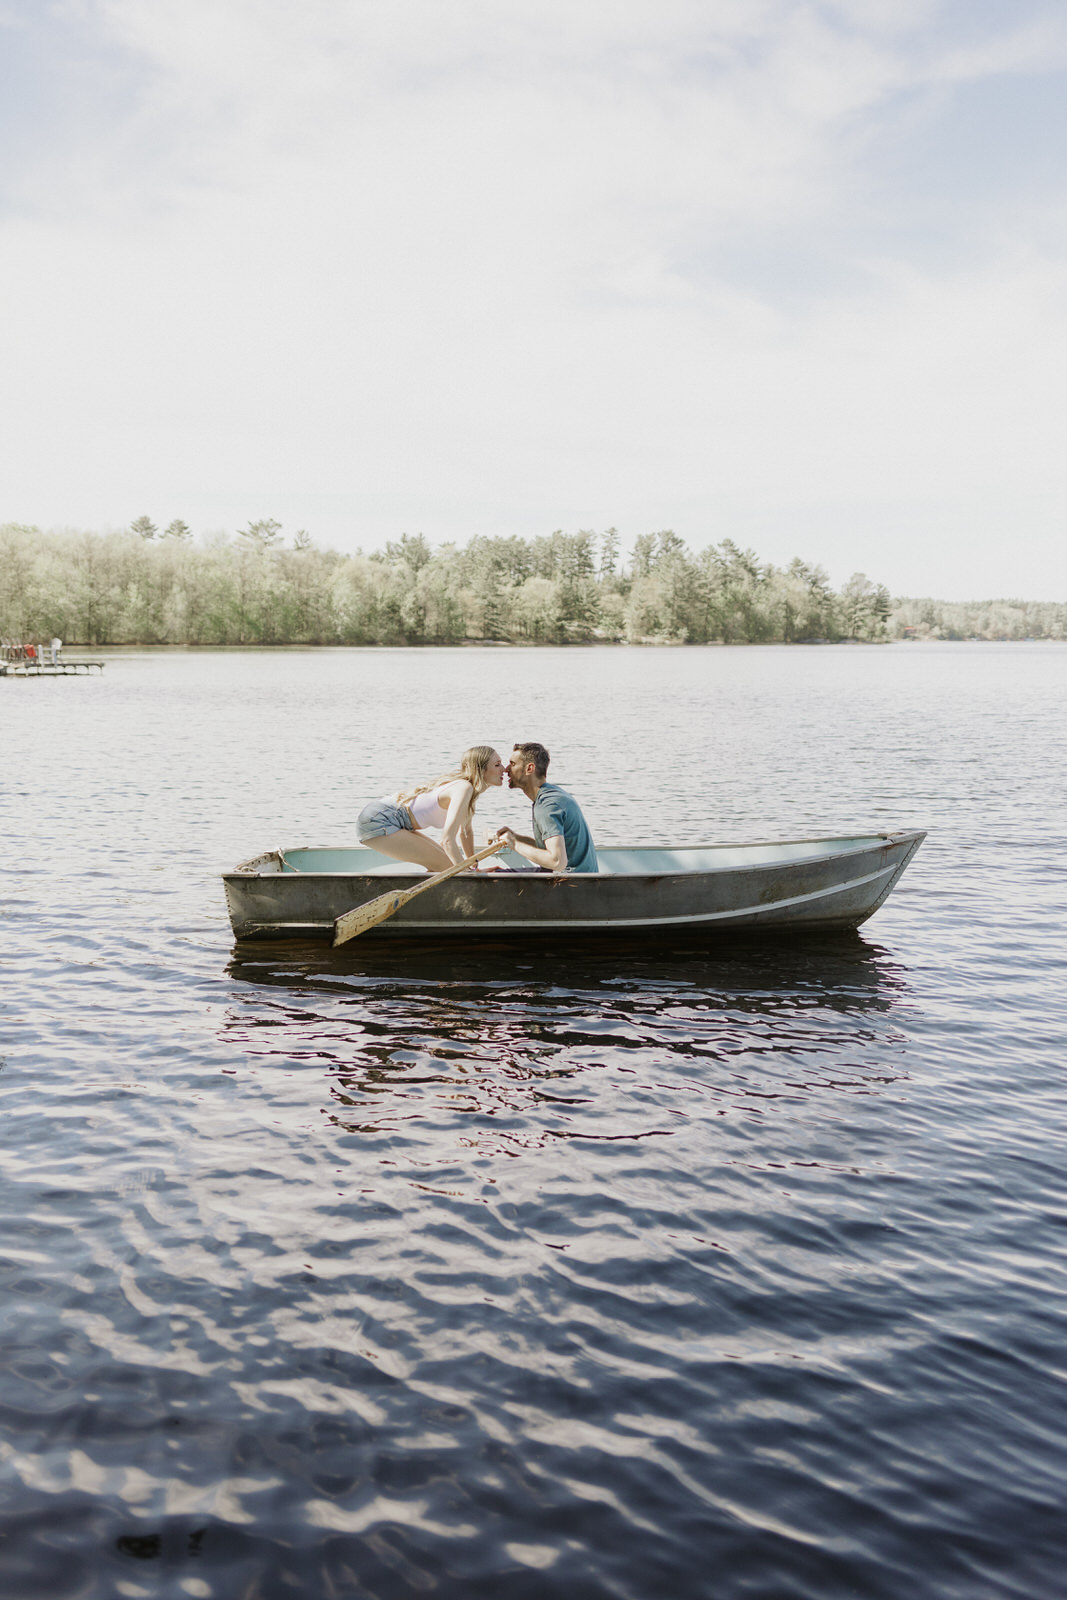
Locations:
(791, 272)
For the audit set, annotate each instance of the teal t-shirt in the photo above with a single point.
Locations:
(556, 812)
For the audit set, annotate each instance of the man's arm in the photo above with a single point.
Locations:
(553, 858)
(513, 837)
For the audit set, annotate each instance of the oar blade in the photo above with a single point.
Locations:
(358, 921)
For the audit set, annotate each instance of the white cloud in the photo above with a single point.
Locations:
(479, 268)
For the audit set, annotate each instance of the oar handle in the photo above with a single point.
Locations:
(450, 872)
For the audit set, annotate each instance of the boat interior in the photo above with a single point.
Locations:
(629, 860)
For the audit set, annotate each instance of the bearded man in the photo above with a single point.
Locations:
(561, 839)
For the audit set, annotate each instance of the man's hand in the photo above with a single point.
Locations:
(552, 857)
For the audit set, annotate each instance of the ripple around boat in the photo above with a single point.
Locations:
(794, 884)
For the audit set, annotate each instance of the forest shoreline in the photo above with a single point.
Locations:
(133, 588)
(131, 646)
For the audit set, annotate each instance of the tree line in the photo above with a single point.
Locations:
(150, 586)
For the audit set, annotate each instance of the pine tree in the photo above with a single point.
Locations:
(264, 532)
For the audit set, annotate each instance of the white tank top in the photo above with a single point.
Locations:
(426, 810)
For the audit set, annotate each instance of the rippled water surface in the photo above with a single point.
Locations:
(727, 1271)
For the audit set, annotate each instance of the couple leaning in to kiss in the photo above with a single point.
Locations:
(561, 840)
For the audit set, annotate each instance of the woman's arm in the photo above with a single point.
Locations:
(460, 794)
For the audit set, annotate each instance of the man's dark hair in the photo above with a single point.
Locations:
(535, 753)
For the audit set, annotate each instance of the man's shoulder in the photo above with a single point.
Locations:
(553, 794)
(558, 804)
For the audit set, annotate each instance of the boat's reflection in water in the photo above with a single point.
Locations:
(574, 1040)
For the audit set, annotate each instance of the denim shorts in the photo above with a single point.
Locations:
(381, 817)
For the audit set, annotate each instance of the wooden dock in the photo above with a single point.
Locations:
(70, 668)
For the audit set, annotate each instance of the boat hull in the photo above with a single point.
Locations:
(801, 884)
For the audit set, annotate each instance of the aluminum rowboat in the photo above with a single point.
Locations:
(797, 884)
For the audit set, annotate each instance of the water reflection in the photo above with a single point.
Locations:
(504, 1049)
(836, 962)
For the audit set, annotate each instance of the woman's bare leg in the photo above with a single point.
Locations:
(405, 846)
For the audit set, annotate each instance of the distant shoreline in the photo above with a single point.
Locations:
(527, 644)
(147, 589)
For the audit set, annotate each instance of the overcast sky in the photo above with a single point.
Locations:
(792, 273)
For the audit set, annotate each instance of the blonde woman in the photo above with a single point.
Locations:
(394, 825)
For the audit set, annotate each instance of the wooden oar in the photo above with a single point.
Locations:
(358, 920)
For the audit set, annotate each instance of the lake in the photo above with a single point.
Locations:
(734, 1270)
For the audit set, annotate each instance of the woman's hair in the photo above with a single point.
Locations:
(473, 766)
